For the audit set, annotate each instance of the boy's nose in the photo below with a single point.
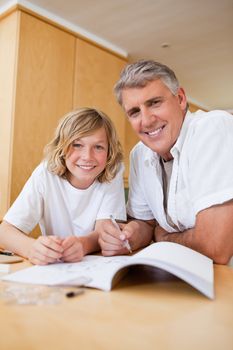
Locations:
(87, 153)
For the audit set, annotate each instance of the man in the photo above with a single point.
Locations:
(181, 173)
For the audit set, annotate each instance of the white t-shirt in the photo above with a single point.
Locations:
(202, 172)
(63, 210)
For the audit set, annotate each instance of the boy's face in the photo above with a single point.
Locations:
(155, 114)
(87, 158)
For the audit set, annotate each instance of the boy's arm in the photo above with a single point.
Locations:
(211, 236)
(14, 240)
(90, 242)
(75, 248)
(41, 251)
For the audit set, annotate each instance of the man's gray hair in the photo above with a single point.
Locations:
(138, 74)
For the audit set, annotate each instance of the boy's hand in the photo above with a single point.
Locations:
(73, 249)
(45, 250)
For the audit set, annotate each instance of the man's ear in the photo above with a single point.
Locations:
(182, 98)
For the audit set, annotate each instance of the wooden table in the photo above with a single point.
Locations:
(148, 309)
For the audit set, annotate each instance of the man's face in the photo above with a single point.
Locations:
(156, 115)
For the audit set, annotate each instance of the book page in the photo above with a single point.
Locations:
(183, 262)
(92, 271)
(179, 256)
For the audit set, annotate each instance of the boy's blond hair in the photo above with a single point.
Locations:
(77, 124)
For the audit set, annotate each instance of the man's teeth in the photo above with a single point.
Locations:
(153, 133)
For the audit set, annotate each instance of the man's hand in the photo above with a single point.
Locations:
(110, 239)
(138, 233)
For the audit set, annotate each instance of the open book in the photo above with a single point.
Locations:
(103, 272)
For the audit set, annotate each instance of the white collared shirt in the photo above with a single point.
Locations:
(202, 173)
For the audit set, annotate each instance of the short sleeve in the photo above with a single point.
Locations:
(210, 161)
(137, 205)
(27, 210)
(113, 202)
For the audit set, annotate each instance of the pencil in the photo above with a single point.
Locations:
(125, 242)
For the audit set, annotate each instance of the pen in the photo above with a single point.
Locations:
(74, 293)
(6, 253)
(125, 242)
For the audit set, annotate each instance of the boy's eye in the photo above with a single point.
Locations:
(99, 147)
(77, 145)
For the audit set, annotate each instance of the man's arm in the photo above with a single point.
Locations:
(211, 236)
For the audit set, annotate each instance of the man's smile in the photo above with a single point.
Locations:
(154, 132)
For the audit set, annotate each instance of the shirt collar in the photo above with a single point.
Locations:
(182, 136)
(150, 155)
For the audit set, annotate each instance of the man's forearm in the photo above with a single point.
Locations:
(186, 238)
(194, 240)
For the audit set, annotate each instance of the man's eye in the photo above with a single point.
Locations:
(133, 114)
(155, 102)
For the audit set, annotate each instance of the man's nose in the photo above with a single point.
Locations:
(146, 117)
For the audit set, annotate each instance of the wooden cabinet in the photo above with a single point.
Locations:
(130, 141)
(8, 51)
(43, 93)
(45, 72)
(96, 72)
(41, 70)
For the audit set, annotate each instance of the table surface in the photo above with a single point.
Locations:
(148, 309)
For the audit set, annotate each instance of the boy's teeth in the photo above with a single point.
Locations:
(86, 166)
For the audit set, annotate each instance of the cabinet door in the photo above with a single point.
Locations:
(44, 92)
(96, 72)
(8, 54)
